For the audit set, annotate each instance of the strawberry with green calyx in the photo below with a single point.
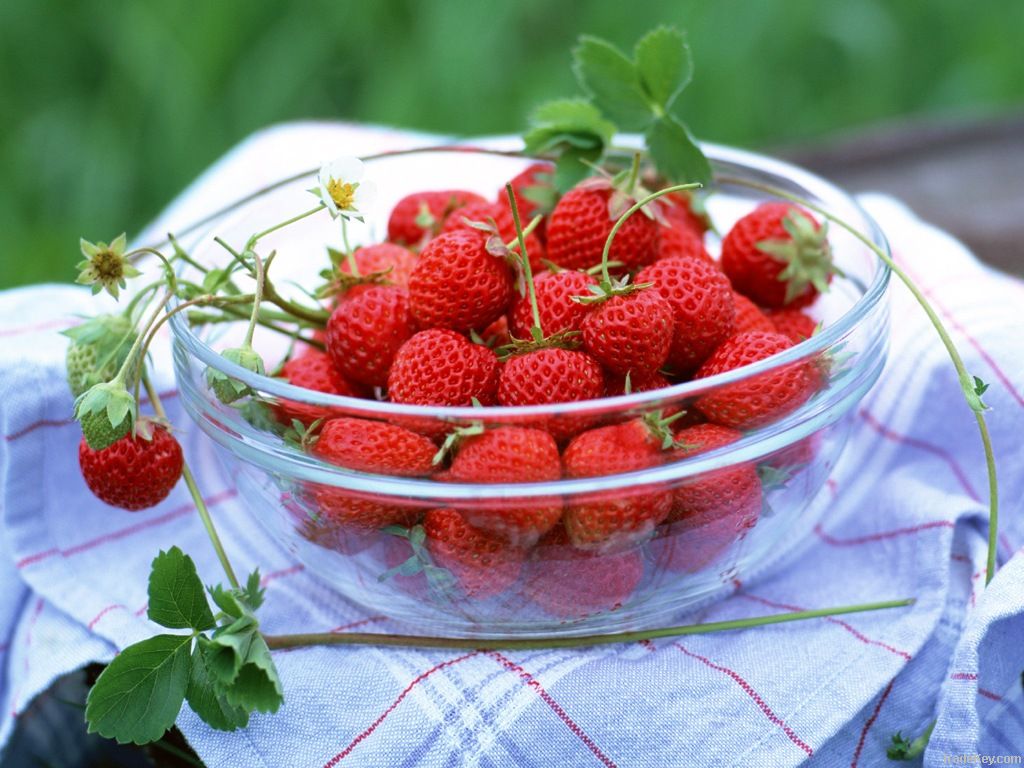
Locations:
(106, 412)
(442, 367)
(98, 348)
(390, 263)
(557, 311)
(534, 190)
(136, 471)
(630, 329)
(106, 267)
(779, 256)
(312, 370)
(345, 274)
(543, 369)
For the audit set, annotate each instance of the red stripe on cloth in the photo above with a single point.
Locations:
(754, 695)
(870, 722)
(181, 511)
(65, 422)
(46, 325)
(360, 623)
(922, 445)
(989, 694)
(275, 575)
(989, 361)
(405, 692)
(103, 613)
(555, 707)
(981, 691)
(961, 558)
(832, 620)
(857, 540)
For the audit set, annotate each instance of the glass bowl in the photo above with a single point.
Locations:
(668, 536)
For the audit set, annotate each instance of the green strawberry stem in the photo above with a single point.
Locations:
(129, 361)
(261, 277)
(527, 643)
(315, 316)
(968, 384)
(524, 260)
(193, 489)
(350, 254)
(281, 225)
(606, 278)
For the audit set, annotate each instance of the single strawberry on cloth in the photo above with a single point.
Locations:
(903, 515)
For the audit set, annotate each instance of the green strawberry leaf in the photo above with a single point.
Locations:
(257, 687)
(207, 699)
(253, 593)
(227, 601)
(676, 155)
(664, 64)
(572, 129)
(612, 81)
(225, 653)
(176, 596)
(138, 696)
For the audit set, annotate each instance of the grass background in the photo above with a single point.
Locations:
(110, 108)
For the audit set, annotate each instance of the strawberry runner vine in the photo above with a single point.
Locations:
(217, 659)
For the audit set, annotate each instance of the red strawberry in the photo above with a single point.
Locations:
(749, 317)
(502, 217)
(676, 241)
(527, 186)
(630, 333)
(483, 564)
(134, 472)
(570, 583)
(701, 299)
(733, 492)
(582, 221)
(421, 214)
(496, 335)
(441, 367)
(778, 256)
(558, 312)
(678, 208)
(365, 331)
(510, 455)
(552, 375)
(397, 261)
(760, 399)
(314, 370)
(458, 284)
(614, 519)
(793, 323)
(374, 447)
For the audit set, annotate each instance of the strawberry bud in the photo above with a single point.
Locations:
(227, 389)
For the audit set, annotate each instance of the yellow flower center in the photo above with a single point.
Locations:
(343, 195)
(108, 265)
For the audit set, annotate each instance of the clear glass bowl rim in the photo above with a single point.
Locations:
(311, 468)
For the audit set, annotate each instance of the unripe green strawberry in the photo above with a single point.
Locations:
(97, 350)
(107, 413)
(227, 389)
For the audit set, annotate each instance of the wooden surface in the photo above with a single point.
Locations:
(967, 177)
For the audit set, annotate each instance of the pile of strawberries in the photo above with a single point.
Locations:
(440, 315)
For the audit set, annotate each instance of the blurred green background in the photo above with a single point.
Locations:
(111, 108)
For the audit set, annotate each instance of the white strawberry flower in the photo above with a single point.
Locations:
(343, 188)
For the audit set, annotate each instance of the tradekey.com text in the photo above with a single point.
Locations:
(977, 759)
